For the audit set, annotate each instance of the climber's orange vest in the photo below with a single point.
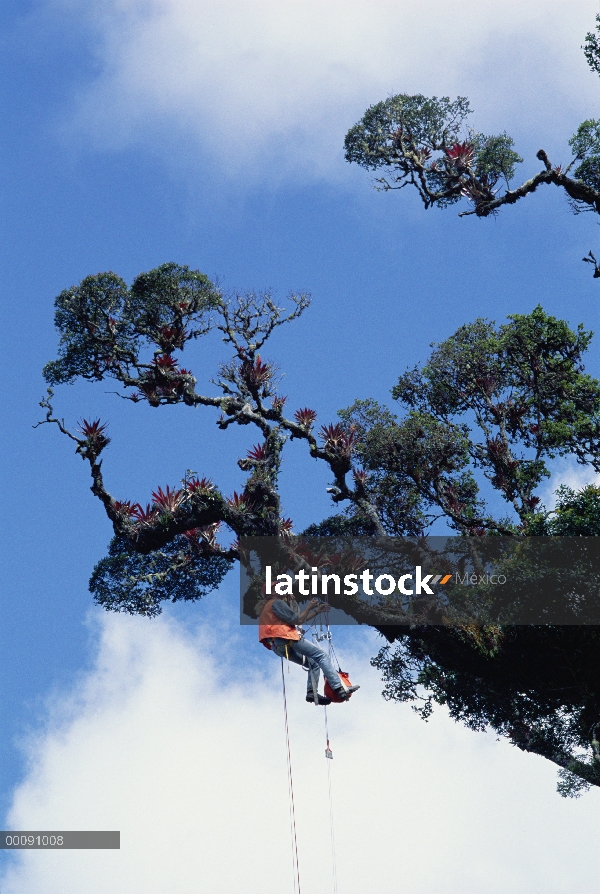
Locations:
(272, 627)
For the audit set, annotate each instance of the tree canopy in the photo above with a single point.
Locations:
(428, 143)
(469, 442)
(496, 382)
(488, 410)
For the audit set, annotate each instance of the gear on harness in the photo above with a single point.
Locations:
(343, 694)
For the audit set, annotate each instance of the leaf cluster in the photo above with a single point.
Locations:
(516, 394)
(577, 514)
(127, 581)
(537, 686)
(424, 142)
(585, 145)
(104, 325)
(591, 48)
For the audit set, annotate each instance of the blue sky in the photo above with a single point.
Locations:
(211, 134)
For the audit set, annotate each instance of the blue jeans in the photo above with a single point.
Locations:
(304, 652)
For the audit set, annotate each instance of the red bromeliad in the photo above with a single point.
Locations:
(257, 373)
(149, 391)
(258, 453)
(278, 402)
(165, 363)
(170, 337)
(305, 417)
(360, 476)
(196, 485)
(94, 434)
(498, 452)
(461, 154)
(241, 502)
(338, 439)
(124, 507)
(207, 533)
(145, 516)
(168, 500)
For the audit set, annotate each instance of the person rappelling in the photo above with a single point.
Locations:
(279, 631)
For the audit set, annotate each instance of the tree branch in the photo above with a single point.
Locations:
(575, 189)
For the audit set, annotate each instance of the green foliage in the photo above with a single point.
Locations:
(128, 581)
(501, 399)
(428, 123)
(591, 48)
(523, 386)
(103, 325)
(169, 297)
(585, 144)
(351, 525)
(418, 471)
(535, 685)
(93, 329)
(495, 159)
(570, 785)
(381, 448)
(534, 361)
(419, 140)
(577, 513)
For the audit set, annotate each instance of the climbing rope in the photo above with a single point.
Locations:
(295, 863)
(329, 754)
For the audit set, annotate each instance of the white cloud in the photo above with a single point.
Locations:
(268, 86)
(190, 766)
(570, 473)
